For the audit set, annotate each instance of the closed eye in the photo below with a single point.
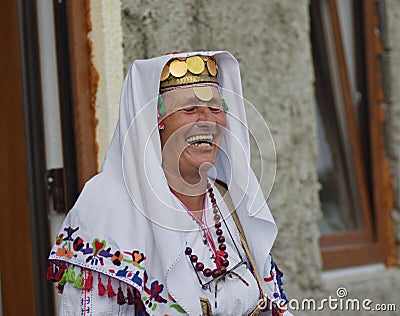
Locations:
(191, 109)
(215, 109)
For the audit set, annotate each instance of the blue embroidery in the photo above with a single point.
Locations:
(279, 275)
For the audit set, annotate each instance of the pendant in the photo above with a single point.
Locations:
(205, 241)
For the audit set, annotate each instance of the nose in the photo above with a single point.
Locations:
(206, 115)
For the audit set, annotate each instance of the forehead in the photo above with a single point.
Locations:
(193, 95)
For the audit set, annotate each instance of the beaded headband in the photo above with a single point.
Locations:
(190, 70)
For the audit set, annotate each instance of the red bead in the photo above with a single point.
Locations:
(207, 272)
(226, 255)
(216, 273)
(221, 239)
(188, 251)
(217, 224)
(222, 247)
(217, 217)
(199, 266)
(225, 262)
(193, 258)
(219, 231)
(223, 270)
(211, 194)
(213, 200)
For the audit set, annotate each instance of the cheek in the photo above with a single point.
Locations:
(174, 130)
(221, 121)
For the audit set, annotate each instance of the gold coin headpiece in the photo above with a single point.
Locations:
(190, 70)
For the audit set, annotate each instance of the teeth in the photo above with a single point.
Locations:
(202, 144)
(200, 138)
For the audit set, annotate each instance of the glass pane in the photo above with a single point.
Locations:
(335, 196)
(336, 163)
(347, 28)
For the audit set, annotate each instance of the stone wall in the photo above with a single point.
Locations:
(391, 64)
(271, 41)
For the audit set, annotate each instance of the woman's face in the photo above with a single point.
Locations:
(193, 130)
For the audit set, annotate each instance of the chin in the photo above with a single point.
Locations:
(197, 166)
(203, 165)
(204, 160)
(206, 165)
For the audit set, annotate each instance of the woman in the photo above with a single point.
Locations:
(157, 231)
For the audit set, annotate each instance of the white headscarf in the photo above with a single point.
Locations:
(129, 208)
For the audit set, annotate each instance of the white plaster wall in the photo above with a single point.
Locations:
(107, 58)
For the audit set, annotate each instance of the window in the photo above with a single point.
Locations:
(356, 194)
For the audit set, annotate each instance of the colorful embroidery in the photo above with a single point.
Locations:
(86, 303)
(278, 299)
(97, 256)
(175, 306)
(154, 293)
(137, 257)
(279, 282)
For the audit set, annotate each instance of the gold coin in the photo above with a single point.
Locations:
(205, 72)
(204, 93)
(212, 67)
(164, 73)
(195, 64)
(178, 68)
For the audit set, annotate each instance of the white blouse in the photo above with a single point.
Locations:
(237, 294)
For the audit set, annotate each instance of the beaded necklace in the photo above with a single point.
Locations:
(220, 254)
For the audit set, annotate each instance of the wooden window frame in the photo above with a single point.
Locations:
(375, 241)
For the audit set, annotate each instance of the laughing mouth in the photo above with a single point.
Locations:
(200, 140)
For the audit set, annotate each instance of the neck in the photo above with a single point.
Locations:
(189, 190)
(187, 185)
(194, 204)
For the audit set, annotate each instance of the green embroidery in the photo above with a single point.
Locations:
(178, 308)
(78, 281)
(70, 275)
